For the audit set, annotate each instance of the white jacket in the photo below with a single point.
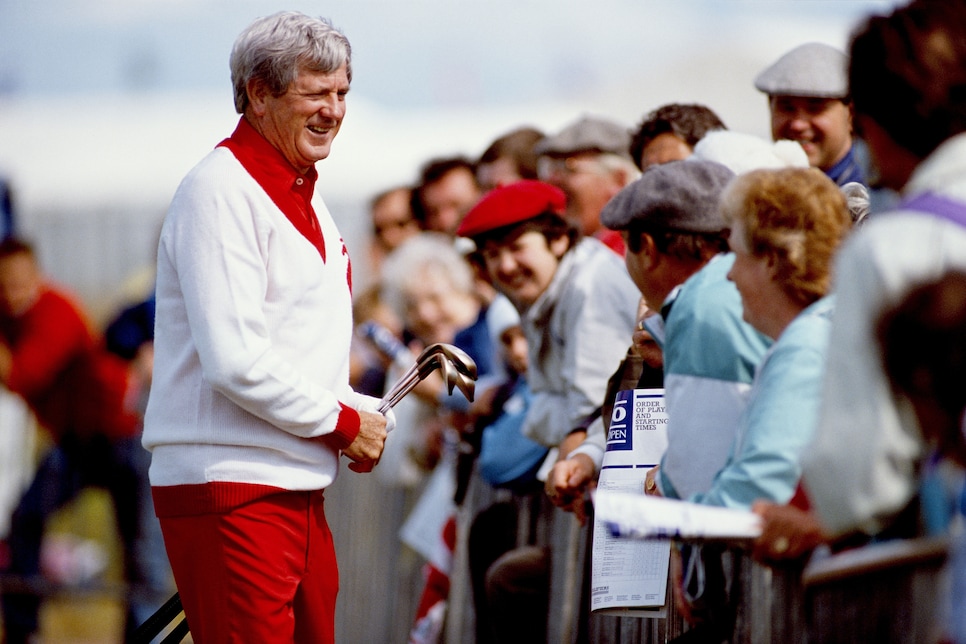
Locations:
(861, 468)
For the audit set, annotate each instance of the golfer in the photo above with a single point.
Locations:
(250, 406)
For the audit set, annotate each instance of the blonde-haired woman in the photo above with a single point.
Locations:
(785, 227)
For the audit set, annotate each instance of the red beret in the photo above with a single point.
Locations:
(510, 204)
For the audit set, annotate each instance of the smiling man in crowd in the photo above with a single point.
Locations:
(808, 98)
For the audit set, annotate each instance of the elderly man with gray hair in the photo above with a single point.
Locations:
(250, 407)
(589, 160)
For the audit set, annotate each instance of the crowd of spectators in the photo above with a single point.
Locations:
(760, 354)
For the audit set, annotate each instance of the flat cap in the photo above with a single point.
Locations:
(587, 134)
(677, 196)
(813, 70)
(511, 204)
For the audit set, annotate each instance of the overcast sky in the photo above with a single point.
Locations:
(406, 52)
(106, 104)
(94, 84)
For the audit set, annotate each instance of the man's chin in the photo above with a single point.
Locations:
(320, 153)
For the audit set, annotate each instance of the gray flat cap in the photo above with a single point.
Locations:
(587, 134)
(812, 69)
(679, 196)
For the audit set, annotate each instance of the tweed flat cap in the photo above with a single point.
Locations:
(813, 70)
(680, 196)
(511, 204)
(587, 134)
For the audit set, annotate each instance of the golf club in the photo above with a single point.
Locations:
(457, 369)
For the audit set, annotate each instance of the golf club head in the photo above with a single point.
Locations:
(457, 369)
(460, 359)
(429, 351)
(452, 372)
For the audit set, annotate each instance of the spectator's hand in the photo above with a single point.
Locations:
(570, 442)
(650, 482)
(787, 532)
(568, 482)
(366, 449)
(643, 343)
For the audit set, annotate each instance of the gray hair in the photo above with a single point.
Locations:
(613, 163)
(274, 48)
(413, 259)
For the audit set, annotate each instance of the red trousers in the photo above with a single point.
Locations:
(262, 572)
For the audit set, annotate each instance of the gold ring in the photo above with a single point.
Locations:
(640, 326)
(780, 545)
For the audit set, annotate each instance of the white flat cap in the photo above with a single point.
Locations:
(813, 69)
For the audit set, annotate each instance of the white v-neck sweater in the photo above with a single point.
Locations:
(251, 343)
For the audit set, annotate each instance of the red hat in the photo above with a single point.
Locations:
(510, 204)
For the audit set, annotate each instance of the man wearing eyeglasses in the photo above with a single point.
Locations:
(590, 162)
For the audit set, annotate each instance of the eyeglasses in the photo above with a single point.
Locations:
(548, 167)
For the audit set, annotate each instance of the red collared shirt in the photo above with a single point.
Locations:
(290, 189)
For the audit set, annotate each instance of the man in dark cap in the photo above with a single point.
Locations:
(675, 244)
(676, 240)
(808, 97)
(589, 160)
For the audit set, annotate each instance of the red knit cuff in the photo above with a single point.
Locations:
(346, 428)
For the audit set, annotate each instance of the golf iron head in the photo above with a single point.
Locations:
(456, 367)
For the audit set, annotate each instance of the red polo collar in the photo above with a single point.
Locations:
(290, 190)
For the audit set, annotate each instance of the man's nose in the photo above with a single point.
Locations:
(333, 108)
(799, 120)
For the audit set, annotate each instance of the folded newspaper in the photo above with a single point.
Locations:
(638, 516)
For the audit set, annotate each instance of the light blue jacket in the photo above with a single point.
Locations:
(710, 356)
(780, 418)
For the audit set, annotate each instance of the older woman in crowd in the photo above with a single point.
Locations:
(785, 227)
(429, 286)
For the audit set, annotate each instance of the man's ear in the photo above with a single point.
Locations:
(258, 93)
(649, 255)
(621, 178)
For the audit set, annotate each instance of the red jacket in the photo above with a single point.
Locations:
(63, 373)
